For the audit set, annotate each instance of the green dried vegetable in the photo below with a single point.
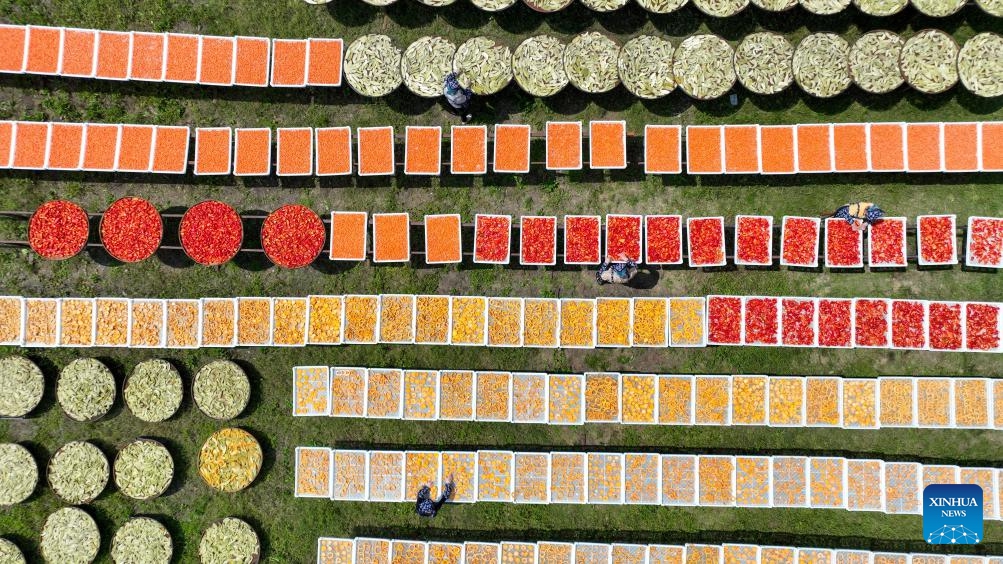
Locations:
(821, 66)
(19, 476)
(229, 541)
(661, 6)
(824, 7)
(880, 7)
(775, 5)
(141, 540)
(10, 553)
(21, 386)
(78, 472)
(221, 389)
(938, 8)
(547, 5)
(991, 7)
(70, 536)
(143, 469)
(86, 389)
(645, 67)
(929, 61)
(763, 63)
(154, 391)
(980, 65)
(425, 64)
(538, 65)
(591, 62)
(493, 5)
(373, 65)
(874, 61)
(483, 65)
(604, 5)
(721, 8)
(704, 66)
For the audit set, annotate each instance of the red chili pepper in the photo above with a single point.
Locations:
(835, 323)
(538, 244)
(797, 322)
(494, 235)
(908, 324)
(945, 326)
(664, 239)
(985, 246)
(623, 236)
(706, 240)
(871, 323)
(937, 240)
(724, 320)
(131, 229)
(887, 241)
(800, 241)
(581, 240)
(292, 236)
(982, 327)
(761, 327)
(58, 230)
(842, 244)
(754, 241)
(211, 233)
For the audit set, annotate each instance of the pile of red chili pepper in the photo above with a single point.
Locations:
(538, 240)
(835, 323)
(623, 236)
(724, 320)
(842, 244)
(58, 230)
(755, 237)
(761, 321)
(800, 241)
(664, 239)
(492, 239)
(211, 233)
(131, 229)
(706, 239)
(292, 236)
(581, 240)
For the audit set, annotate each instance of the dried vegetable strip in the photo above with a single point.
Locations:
(826, 482)
(183, 323)
(752, 481)
(679, 485)
(933, 402)
(421, 389)
(384, 391)
(147, 328)
(896, 397)
(717, 480)
(902, 491)
(532, 479)
(687, 322)
(361, 319)
(518, 553)
(864, 485)
(432, 315)
(494, 475)
(613, 322)
(456, 395)
(324, 326)
(386, 476)
(494, 396)
(637, 394)
(11, 320)
(421, 468)
(462, 467)
(640, 478)
(219, 322)
(529, 398)
(289, 320)
(348, 479)
(787, 401)
(311, 390)
(790, 481)
(823, 397)
(602, 398)
(567, 477)
(713, 400)
(748, 400)
(396, 322)
(468, 321)
(605, 478)
(505, 322)
(971, 403)
(650, 322)
(76, 322)
(565, 393)
(254, 321)
(348, 392)
(41, 325)
(675, 400)
(578, 322)
(334, 551)
(860, 403)
(541, 322)
(555, 553)
(313, 472)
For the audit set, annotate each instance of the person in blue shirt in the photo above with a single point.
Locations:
(620, 271)
(860, 214)
(425, 506)
(457, 96)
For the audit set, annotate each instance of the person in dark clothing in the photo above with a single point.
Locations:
(859, 215)
(619, 271)
(457, 96)
(425, 506)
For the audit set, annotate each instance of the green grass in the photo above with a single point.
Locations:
(289, 527)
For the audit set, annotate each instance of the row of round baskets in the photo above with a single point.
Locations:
(727, 8)
(211, 232)
(704, 66)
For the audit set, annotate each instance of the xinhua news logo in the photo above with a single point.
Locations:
(952, 514)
